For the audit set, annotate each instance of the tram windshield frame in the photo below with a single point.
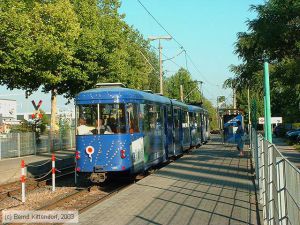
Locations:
(102, 118)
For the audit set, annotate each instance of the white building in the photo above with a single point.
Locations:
(8, 114)
(8, 111)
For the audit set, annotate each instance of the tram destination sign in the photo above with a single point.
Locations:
(274, 120)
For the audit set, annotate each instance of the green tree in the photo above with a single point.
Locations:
(274, 34)
(111, 51)
(49, 30)
(190, 88)
(191, 92)
(66, 46)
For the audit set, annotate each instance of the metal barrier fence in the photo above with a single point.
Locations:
(278, 181)
(22, 144)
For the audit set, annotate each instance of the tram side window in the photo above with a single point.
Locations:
(147, 117)
(153, 118)
(176, 118)
(150, 117)
(192, 119)
(184, 119)
(198, 119)
(170, 118)
(160, 118)
(133, 118)
(86, 117)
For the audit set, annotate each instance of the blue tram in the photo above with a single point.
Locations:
(121, 130)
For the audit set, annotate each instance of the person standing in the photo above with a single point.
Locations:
(238, 137)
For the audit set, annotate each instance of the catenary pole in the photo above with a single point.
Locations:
(160, 68)
(234, 98)
(159, 38)
(267, 106)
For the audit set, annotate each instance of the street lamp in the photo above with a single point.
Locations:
(152, 38)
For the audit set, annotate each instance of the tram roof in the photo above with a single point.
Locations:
(118, 94)
(178, 103)
(193, 108)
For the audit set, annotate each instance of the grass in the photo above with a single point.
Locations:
(297, 147)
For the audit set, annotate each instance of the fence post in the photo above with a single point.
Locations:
(280, 169)
(270, 184)
(19, 144)
(23, 180)
(53, 172)
(264, 189)
(49, 142)
(34, 143)
(250, 138)
(60, 139)
(261, 170)
(0, 149)
(71, 139)
(257, 159)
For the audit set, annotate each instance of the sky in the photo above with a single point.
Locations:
(207, 29)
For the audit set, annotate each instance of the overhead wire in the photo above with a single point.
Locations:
(159, 24)
(146, 59)
(174, 56)
(186, 64)
(194, 65)
(168, 57)
(180, 45)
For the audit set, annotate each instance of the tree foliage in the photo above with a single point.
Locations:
(191, 92)
(275, 35)
(66, 46)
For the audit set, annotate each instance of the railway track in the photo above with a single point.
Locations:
(14, 189)
(83, 199)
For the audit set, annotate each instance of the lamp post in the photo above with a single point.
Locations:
(152, 38)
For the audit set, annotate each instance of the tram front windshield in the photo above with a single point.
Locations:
(100, 119)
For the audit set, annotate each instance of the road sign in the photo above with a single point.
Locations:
(36, 107)
(274, 120)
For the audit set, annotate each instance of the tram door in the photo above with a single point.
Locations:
(176, 134)
(202, 127)
(170, 131)
(136, 137)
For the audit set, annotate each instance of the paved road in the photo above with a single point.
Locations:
(10, 168)
(211, 185)
(288, 151)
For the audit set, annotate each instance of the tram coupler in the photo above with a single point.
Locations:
(98, 177)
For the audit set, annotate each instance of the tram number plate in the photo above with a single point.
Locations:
(98, 168)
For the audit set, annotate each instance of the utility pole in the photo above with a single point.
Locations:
(152, 38)
(218, 121)
(160, 67)
(181, 92)
(249, 108)
(234, 98)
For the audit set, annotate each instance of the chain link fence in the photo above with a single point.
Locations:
(23, 144)
(278, 182)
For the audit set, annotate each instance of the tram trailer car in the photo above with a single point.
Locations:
(206, 126)
(195, 122)
(122, 131)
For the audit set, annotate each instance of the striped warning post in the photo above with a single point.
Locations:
(23, 180)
